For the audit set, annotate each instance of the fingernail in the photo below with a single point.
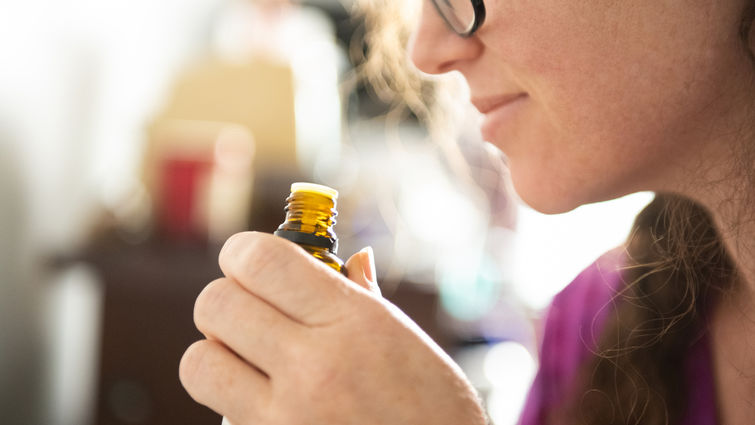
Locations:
(368, 267)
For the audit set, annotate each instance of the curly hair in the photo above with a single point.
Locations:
(677, 269)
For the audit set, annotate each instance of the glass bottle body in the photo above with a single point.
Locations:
(326, 257)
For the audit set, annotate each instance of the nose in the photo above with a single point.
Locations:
(435, 49)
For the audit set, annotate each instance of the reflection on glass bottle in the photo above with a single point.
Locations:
(310, 217)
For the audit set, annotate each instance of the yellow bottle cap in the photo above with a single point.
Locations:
(314, 188)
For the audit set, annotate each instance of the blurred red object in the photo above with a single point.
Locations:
(181, 184)
(199, 175)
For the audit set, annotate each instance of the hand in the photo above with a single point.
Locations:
(292, 342)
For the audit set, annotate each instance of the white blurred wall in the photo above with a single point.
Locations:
(78, 81)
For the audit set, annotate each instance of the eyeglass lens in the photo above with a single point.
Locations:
(459, 14)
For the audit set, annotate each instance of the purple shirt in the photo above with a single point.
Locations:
(572, 329)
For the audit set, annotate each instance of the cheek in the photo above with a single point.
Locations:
(613, 103)
(583, 141)
(578, 141)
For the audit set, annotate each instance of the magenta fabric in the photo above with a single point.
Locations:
(572, 329)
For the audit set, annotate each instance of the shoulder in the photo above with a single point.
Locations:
(572, 329)
(576, 315)
(586, 301)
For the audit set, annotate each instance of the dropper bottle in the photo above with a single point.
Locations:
(310, 217)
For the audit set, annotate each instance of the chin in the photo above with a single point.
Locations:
(546, 205)
(548, 194)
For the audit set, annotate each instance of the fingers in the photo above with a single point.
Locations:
(246, 324)
(216, 378)
(361, 268)
(285, 276)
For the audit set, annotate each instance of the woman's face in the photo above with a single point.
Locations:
(616, 96)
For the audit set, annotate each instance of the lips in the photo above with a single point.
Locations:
(500, 116)
(487, 104)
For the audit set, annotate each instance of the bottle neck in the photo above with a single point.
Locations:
(310, 218)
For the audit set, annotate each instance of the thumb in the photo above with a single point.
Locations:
(361, 269)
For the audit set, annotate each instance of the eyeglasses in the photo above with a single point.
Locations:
(464, 17)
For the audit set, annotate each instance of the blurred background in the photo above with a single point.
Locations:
(135, 136)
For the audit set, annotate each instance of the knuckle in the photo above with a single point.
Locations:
(317, 368)
(327, 376)
(189, 369)
(210, 302)
(231, 247)
(257, 254)
(299, 354)
(258, 258)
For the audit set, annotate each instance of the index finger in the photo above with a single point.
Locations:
(287, 277)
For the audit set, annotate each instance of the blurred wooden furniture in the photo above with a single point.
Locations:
(147, 325)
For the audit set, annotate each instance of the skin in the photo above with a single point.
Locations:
(290, 341)
(622, 96)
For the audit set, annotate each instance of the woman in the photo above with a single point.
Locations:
(589, 100)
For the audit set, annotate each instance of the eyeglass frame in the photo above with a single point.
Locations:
(478, 6)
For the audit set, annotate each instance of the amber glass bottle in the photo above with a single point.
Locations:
(310, 217)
